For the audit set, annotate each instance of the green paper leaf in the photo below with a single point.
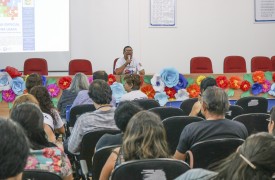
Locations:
(147, 79)
(268, 75)
(1, 97)
(248, 77)
(190, 81)
(245, 94)
(265, 95)
(211, 77)
(55, 101)
(10, 105)
(51, 81)
(230, 92)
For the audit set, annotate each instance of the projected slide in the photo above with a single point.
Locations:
(34, 25)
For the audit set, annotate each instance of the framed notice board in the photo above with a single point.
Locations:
(264, 10)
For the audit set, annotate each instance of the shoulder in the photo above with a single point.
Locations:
(201, 174)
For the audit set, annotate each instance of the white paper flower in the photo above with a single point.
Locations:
(157, 83)
(181, 95)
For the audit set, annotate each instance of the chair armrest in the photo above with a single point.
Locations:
(190, 157)
(84, 168)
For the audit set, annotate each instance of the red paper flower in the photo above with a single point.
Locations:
(258, 76)
(64, 82)
(193, 90)
(13, 72)
(273, 76)
(149, 91)
(245, 86)
(222, 81)
(235, 82)
(111, 79)
(170, 92)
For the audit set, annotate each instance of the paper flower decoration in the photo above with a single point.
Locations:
(193, 90)
(90, 79)
(65, 82)
(18, 85)
(149, 91)
(53, 90)
(157, 83)
(272, 90)
(245, 85)
(258, 76)
(170, 77)
(266, 86)
(199, 79)
(13, 72)
(117, 91)
(170, 92)
(5, 81)
(235, 82)
(181, 95)
(222, 82)
(182, 83)
(257, 88)
(111, 79)
(44, 80)
(8, 95)
(161, 97)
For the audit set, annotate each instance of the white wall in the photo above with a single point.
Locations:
(215, 28)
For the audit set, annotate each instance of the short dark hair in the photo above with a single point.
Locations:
(14, 149)
(124, 112)
(134, 80)
(100, 75)
(207, 82)
(100, 92)
(126, 47)
(33, 79)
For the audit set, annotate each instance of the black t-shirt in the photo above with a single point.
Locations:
(109, 140)
(210, 129)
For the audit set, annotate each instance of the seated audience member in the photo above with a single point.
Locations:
(43, 155)
(271, 129)
(214, 106)
(80, 82)
(31, 99)
(144, 138)
(254, 159)
(32, 80)
(83, 97)
(205, 83)
(14, 150)
(127, 64)
(123, 113)
(132, 85)
(51, 115)
(102, 118)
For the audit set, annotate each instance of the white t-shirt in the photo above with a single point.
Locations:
(132, 68)
(133, 95)
(49, 120)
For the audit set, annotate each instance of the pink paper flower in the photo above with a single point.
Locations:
(8, 95)
(266, 86)
(53, 89)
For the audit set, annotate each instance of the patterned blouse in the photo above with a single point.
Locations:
(51, 159)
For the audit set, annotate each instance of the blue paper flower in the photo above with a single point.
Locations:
(257, 88)
(182, 83)
(272, 90)
(161, 97)
(5, 81)
(157, 83)
(44, 80)
(117, 91)
(170, 76)
(18, 85)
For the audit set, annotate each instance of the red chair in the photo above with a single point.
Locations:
(114, 65)
(36, 65)
(234, 64)
(273, 63)
(261, 63)
(80, 65)
(201, 65)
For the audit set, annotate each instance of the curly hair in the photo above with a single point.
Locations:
(133, 80)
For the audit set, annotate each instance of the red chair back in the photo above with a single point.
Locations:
(273, 63)
(114, 66)
(201, 65)
(234, 64)
(36, 65)
(261, 63)
(80, 65)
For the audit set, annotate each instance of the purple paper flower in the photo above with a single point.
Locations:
(8, 95)
(257, 88)
(90, 79)
(18, 85)
(170, 76)
(272, 90)
(266, 86)
(44, 80)
(161, 97)
(182, 83)
(53, 90)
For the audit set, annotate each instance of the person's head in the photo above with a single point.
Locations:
(25, 98)
(79, 82)
(30, 117)
(207, 82)
(254, 159)
(100, 75)
(132, 82)
(14, 149)
(33, 79)
(124, 112)
(100, 92)
(127, 51)
(145, 137)
(272, 118)
(215, 101)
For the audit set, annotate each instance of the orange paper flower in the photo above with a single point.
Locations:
(193, 90)
(149, 91)
(235, 82)
(222, 81)
(111, 79)
(170, 92)
(258, 76)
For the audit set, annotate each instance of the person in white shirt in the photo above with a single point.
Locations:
(132, 85)
(127, 64)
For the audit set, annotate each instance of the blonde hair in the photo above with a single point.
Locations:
(24, 98)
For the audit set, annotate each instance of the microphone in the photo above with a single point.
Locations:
(129, 57)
